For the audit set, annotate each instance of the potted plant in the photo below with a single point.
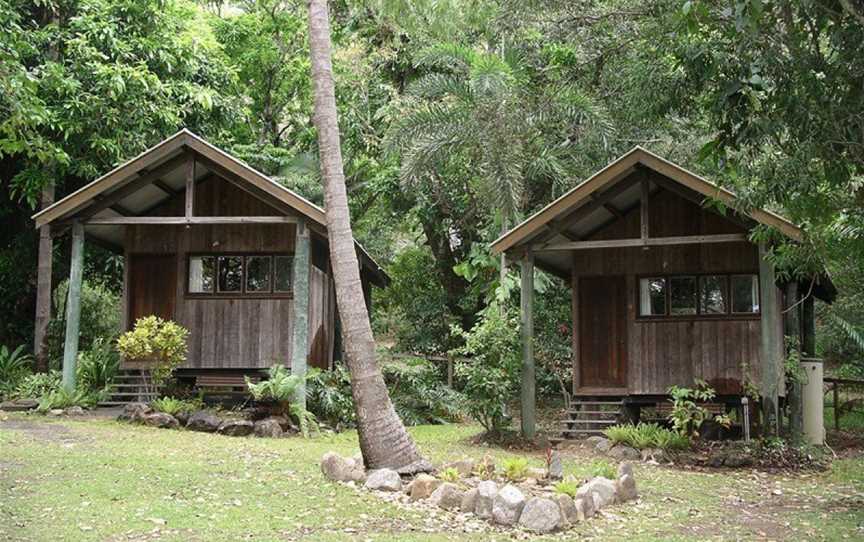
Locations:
(156, 347)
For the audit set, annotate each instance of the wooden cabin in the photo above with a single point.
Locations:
(238, 259)
(665, 289)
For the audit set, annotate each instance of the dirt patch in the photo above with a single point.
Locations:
(43, 430)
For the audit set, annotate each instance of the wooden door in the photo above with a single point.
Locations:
(603, 332)
(152, 286)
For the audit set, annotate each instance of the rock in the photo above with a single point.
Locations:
(584, 507)
(486, 492)
(75, 411)
(625, 468)
(536, 473)
(567, 506)
(384, 480)
(508, 505)
(464, 466)
(556, 466)
(625, 488)
(601, 489)
(540, 515)
(603, 446)
(133, 412)
(624, 453)
(268, 428)
(341, 469)
(203, 421)
(595, 439)
(737, 460)
(182, 417)
(160, 419)
(423, 486)
(236, 428)
(447, 496)
(654, 454)
(469, 501)
(19, 405)
(56, 412)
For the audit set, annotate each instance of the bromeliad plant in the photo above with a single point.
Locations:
(158, 344)
(279, 390)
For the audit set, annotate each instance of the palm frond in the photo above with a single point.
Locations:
(856, 335)
(446, 56)
(439, 85)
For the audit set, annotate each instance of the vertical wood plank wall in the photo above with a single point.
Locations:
(238, 332)
(663, 352)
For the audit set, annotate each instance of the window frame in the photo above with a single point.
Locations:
(272, 293)
(700, 315)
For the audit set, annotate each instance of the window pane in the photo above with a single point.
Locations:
(202, 274)
(682, 290)
(283, 269)
(712, 294)
(652, 297)
(258, 274)
(745, 293)
(230, 273)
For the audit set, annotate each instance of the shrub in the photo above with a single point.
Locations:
(489, 377)
(100, 318)
(515, 468)
(97, 366)
(280, 389)
(450, 474)
(419, 394)
(160, 343)
(37, 385)
(567, 487)
(485, 468)
(687, 416)
(60, 398)
(601, 467)
(328, 396)
(646, 435)
(15, 365)
(174, 406)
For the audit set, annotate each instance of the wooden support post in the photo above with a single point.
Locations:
(643, 210)
(190, 187)
(575, 345)
(73, 307)
(836, 407)
(300, 287)
(794, 393)
(808, 327)
(770, 347)
(527, 327)
(43, 285)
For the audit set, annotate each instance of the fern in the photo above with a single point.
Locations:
(855, 335)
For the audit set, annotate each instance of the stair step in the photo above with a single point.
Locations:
(591, 422)
(132, 394)
(582, 432)
(603, 412)
(610, 403)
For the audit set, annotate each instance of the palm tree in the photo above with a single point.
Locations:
(384, 441)
(484, 107)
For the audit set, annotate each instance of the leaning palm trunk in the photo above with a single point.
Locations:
(383, 439)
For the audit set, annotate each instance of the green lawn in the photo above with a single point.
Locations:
(100, 480)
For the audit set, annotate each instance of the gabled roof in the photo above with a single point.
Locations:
(617, 170)
(163, 162)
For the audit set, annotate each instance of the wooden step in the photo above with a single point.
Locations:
(582, 432)
(595, 412)
(593, 422)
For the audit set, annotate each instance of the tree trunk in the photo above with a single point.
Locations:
(43, 286)
(384, 441)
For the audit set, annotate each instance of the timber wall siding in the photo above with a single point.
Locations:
(239, 332)
(675, 351)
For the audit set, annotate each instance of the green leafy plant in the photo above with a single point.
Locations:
(567, 487)
(515, 468)
(37, 385)
(601, 467)
(14, 367)
(687, 415)
(161, 344)
(61, 398)
(485, 468)
(100, 318)
(328, 396)
(280, 389)
(97, 366)
(646, 435)
(419, 393)
(174, 406)
(450, 474)
(489, 375)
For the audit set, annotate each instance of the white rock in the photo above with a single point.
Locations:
(584, 507)
(625, 468)
(486, 492)
(341, 469)
(507, 505)
(423, 486)
(447, 496)
(601, 489)
(469, 501)
(569, 513)
(540, 515)
(626, 488)
(384, 480)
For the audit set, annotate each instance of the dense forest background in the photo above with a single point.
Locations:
(458, 117)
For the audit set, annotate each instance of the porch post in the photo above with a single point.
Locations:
(770, 348)
(808, 327)
(73, 307)
(527, 329)
(794, 393)
(300, 287)
(43, 285)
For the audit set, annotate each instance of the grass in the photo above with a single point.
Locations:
(100, 480)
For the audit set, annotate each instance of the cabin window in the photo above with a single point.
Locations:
(745, 294)
(681, 296)
(239, 275)
(682, 291)
(712, 294)
(652, 296)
